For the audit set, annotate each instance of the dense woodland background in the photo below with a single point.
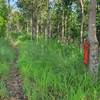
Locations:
(54, 18)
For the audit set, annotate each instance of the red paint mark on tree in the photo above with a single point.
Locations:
(86, 52)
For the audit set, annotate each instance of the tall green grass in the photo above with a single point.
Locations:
(52, 71)
(6, 56)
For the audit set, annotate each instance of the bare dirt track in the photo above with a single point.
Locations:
(14, 82)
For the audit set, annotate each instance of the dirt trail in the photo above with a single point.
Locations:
(14, 82)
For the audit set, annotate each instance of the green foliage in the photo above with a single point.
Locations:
(3, 17)
(6, 56)
(18, 22)
(3, 91)
(54, 72)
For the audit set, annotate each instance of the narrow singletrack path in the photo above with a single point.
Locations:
(14, 83)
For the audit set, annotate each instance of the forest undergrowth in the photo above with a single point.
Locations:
(52, 71)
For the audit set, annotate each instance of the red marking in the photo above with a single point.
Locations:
(86, 52)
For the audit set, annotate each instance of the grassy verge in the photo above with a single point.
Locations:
(54, 72)
(6, 56)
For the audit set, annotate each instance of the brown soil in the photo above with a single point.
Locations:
(14, 82)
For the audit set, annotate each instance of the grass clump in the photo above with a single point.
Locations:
(51, 71)
(6, 56)
(3, 91)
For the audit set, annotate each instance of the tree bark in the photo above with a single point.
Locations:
(9, 19)
(62, 34)
(49, 21)
(27, 27)
(46, 32)
(37, 30)
(82, 21)
(34, 19)
(93, 55)
(33, 27)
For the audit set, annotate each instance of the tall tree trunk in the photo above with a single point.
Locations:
(62, 33)
(64, 22)
(18, 27)
(49, 21)
(9, 17)
(27, 27)
(58, 22)
(82, 21)
(93, 56)
(37, 30)
(46, 32)
(58, 28)
(34, 19)
(33, 27)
